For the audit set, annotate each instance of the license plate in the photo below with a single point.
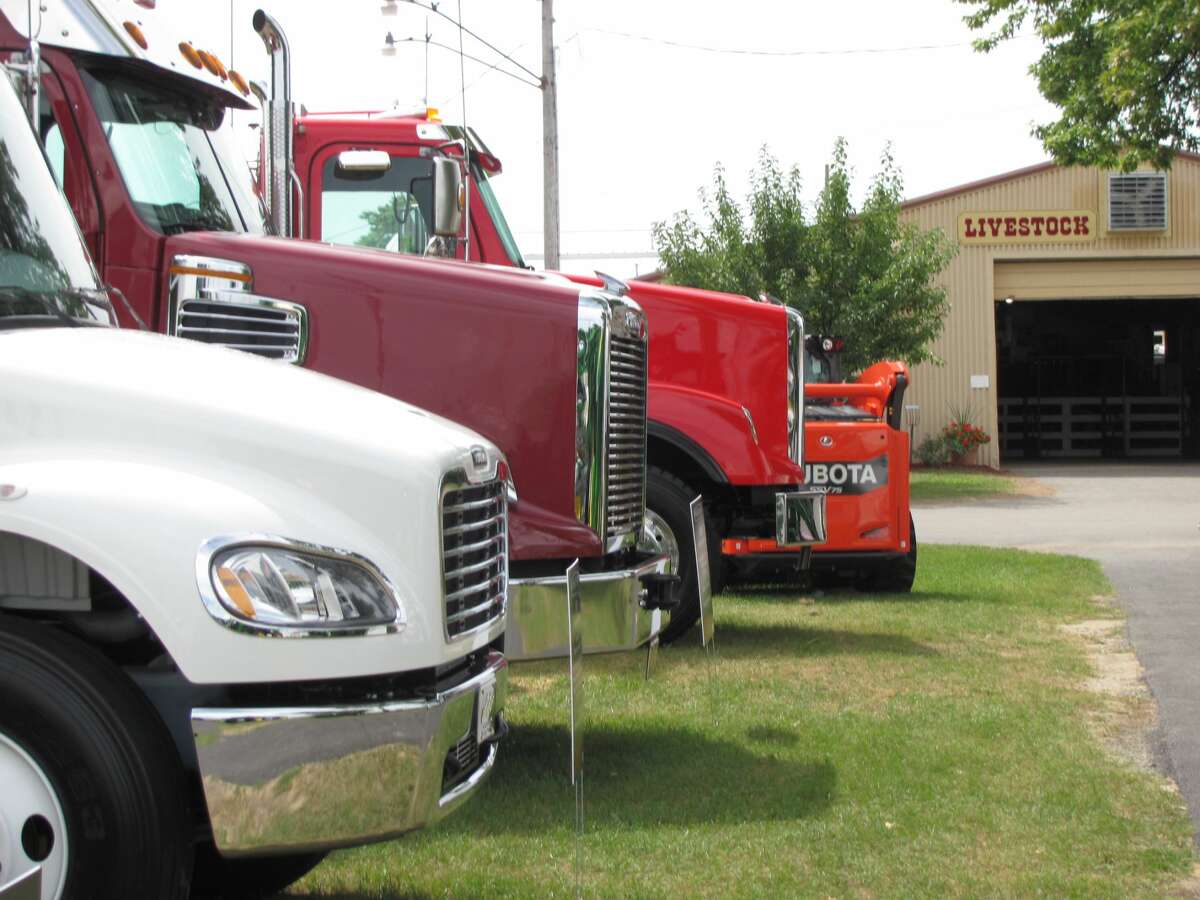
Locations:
(485, 725)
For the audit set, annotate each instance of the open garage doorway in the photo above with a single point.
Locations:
(1103, 378)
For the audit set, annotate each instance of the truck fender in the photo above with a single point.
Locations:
(727, 451)
(689, 448)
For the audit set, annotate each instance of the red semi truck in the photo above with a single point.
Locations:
(726, 373)
(552, 372)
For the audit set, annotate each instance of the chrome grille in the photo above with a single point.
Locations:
(626, 436)
(276, 331)
(474, 555)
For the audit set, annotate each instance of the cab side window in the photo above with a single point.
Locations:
(56, 151)
(389, 210)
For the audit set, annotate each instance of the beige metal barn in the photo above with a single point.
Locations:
(1075, 323)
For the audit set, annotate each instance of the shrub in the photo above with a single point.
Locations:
(934, 451)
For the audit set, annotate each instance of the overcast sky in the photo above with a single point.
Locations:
(643, 120)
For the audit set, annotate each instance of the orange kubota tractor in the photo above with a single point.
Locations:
(857, 451)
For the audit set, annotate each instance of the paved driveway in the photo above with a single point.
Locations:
(1142, 522)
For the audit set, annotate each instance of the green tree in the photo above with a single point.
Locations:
(863, 274)
(1124, 73)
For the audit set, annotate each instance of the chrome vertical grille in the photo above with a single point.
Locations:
(626, 435)
(474, 555)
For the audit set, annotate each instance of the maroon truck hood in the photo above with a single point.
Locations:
(492, 349)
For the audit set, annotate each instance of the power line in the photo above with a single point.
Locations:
(739, 51)
(483, 62)
(433, 8)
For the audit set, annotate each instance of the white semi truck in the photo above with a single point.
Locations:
(223, 642)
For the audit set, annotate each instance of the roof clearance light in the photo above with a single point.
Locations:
(213, 65)
(190, 54)
(136, 34)
(432, 115)
(239, 82)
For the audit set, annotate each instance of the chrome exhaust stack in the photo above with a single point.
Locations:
(279, 114)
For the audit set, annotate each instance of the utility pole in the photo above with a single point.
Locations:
(549, 138)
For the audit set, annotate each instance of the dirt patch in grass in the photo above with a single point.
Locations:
(1127, 714)
(1190, 886)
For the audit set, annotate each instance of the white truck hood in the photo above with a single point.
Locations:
(131, 449)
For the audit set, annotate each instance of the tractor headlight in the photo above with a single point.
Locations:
(291, 589)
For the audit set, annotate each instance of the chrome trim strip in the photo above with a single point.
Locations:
(218, 610)
(591, 401)
(336, 776)
(750, 419)
(613, 617)
(795, 395)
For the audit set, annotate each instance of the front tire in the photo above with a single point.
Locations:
(668, 501)
(248, 878)
(91, 787)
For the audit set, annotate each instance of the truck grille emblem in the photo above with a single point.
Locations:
(478, 457)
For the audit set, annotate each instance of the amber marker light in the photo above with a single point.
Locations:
(235, 592)
(138, 37)
(190, 54)
(239, 82)
(432, 115)
(213, 64)
(210, 273)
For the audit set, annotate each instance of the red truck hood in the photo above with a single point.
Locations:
(728, 349)
(491, 348)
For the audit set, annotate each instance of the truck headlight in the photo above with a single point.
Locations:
(292, 589)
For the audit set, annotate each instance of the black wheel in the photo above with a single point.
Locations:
(249, 878)
(898, 575)
(91, 787)
(669, 530)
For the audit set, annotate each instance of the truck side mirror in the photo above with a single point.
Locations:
(447, 197)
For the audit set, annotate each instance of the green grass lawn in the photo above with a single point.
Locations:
(958, 484)
(934, 744)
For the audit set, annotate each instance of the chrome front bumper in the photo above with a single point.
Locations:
(800, 518)
(303, 779)
(614, 617)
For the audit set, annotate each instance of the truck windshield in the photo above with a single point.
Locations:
(483, 182)
(46, 276)
(390, 210)
(176, 160)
